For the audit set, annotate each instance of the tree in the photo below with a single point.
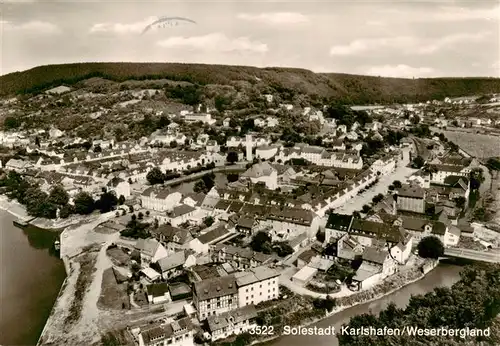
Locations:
(58, 196)
(232, 177)
(232, 157)
(397, 184)
(155, 176)
(493, 163)
(476, 178)
(208, 221)
(140, 216)
(84, 203)
(259, 240)
(366, 208)
(121, 200)
(430, 247)
(11, 123)
(460, 202)
(418, 162)
(173, 144)
(107, 202)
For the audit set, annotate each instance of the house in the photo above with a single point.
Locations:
(377, 264)
(441, 171)
(246, 225)
(215, 296)
(120, 187)
(176, 333)
(262, 172)
(150, 251)
(411, 198)
(178, 215)
(160, 199)
(158, 293)
(174, 264)
(226, 122)
(232, 322)
(173, 238)
(201, 245)
(298, 242)
(18, 165)
(150, 274)
(452, 236)
(337, 226)
(421, 228)
(239, 258)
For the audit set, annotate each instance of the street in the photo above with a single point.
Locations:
(356, 203)
(485, 256)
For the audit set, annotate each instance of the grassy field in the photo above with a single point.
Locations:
(113, 295)
(349, 88)
(477, 145)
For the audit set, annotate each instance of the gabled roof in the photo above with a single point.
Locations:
(157, 290)
(340, 222)
(224, 320)
(214, 234)
(374, 255)
(215, 287)
(258, 170)
(147, 246)
(173, 261)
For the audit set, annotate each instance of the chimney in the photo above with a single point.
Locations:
(249, 148)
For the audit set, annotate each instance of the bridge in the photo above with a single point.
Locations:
(490, 256)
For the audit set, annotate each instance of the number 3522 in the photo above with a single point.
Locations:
(261, 330)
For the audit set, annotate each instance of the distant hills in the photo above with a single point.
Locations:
(355, 89)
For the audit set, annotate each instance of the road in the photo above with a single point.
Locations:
(484, 256)
(356, 203)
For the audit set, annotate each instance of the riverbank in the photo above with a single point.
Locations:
(375, 293)
(18, 210)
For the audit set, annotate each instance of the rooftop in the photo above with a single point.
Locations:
(215, 287)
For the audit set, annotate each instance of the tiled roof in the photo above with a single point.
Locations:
(215, 287)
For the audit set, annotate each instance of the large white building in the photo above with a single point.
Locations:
(160, 199)
(263, 173)
(257, 285)
(320, 156)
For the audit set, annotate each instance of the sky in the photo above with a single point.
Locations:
(383, 38)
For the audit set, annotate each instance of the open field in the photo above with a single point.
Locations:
(477, 145)
(113, 295)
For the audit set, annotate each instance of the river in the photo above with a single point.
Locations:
(443, 275)
(31, 277)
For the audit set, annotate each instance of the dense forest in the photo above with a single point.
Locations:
(346, 88)
(473, 302)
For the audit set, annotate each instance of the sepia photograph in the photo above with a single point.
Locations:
(258, 172)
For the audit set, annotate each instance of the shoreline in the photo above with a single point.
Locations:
(18, 210)
(345, 307)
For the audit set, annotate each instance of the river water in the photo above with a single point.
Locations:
(31, 275)
(443, 275)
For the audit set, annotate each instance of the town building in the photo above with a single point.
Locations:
(233, 322)
(215, 296)
(175, 333)
(257, 285)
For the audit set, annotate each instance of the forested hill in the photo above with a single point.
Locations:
(343, 87)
